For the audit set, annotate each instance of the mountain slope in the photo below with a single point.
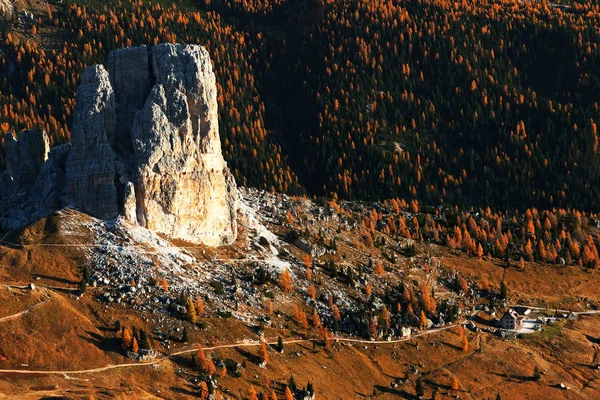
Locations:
(73, 332)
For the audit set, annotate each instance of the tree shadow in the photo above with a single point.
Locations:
(514, 378)
(396, 392)
(65, 290)
(106, 328)
(182, 361)
(248, 356)
(592, 339)
(186, 392)
(482, 321)
(436, 385)
(452, 346)
(106, 344)
(56, 279)
(304, 346)
(176, 339)
(395, 378)
(584, 365)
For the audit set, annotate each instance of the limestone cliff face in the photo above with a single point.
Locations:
(183, 186)
(145, 144)
(90, 166)
(6, 8)
(25, 156)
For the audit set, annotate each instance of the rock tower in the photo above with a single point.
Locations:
(144, 144)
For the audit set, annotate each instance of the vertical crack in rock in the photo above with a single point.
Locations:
(131, 79)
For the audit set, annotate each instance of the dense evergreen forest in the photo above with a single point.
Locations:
(478, 103)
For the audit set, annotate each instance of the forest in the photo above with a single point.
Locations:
(474, 104)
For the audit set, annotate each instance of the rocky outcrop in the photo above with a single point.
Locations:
(50, 183)
(183, 188)
(131, 78)
(6, 8)
(145, 145)
(25, 156)
(91, 164)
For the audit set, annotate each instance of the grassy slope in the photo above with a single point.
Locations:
(69, 332)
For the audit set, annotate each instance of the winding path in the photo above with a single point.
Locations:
(587, 312)
(231, 345)
(9, 317)
(216, 347)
